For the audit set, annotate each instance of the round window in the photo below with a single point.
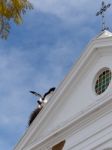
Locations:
(102, 81)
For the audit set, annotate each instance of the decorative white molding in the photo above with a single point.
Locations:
(81, 119)
(87, 117)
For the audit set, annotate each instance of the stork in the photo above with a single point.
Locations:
(42, 99)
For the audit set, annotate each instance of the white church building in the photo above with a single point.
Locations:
(78, 116)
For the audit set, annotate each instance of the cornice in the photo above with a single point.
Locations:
(91, 50)
(91, 114)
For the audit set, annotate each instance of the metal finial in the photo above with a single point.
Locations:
(102, 13)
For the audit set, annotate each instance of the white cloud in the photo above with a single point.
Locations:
(71, 10)
(18, 74)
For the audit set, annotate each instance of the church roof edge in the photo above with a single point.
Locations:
(104, 34)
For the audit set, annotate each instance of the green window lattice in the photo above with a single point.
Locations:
(103, 81)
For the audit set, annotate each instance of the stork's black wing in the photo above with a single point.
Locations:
(50, 90)
(36, 94)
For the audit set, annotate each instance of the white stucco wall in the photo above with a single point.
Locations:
(82, 94)
(95, 136)
(61, 117)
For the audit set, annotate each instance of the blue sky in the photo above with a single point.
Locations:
(37, 56)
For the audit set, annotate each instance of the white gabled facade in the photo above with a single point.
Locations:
(75, 113)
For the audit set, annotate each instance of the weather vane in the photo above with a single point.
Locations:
(102, 13)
